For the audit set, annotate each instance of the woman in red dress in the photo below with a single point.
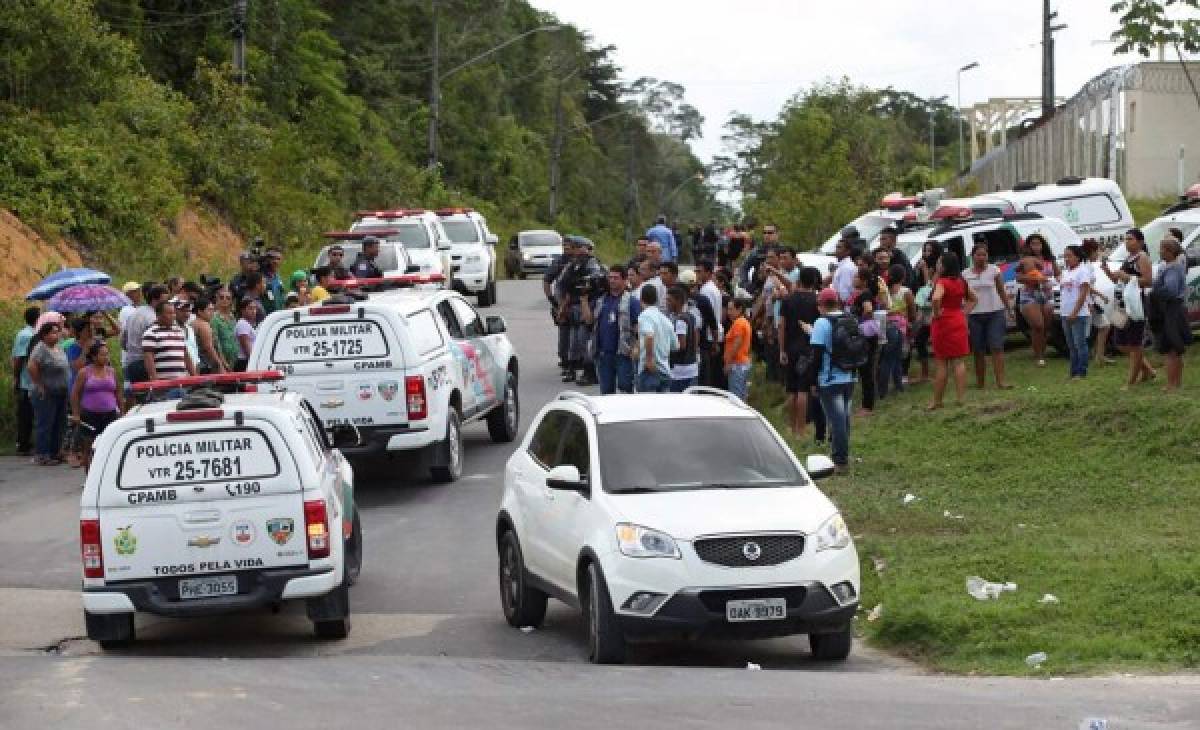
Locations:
(948, 332)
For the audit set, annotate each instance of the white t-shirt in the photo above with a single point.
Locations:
(1070, 287)
(983, 283)
(843, 278)
(713, 293)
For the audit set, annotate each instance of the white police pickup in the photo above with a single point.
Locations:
(472, 253)
(408, 369)
(216, 503)
(420, 231)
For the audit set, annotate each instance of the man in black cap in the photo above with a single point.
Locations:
(364, 265)
(237, 284)
(337, 262)
(854, 241)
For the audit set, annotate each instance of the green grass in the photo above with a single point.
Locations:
(1075, 489)
(1147, 209)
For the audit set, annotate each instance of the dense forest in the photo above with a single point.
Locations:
(115, 114)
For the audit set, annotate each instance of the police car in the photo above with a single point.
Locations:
(216, 503)
(392, 259)
(472, 253)
(409, 369)
(419, 231)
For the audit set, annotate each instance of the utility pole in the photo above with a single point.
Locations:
(435, 101)
(556, 150)
(631, 190)
(932, 149)
(239, 40)
(1048, 30)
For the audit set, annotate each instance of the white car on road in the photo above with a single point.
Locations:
(214, 504)
(472, 253)
(673, 515)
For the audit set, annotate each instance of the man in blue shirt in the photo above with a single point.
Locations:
(21, 382)
(835, 386)
(655, 338)
(615, 326)
(665, 238)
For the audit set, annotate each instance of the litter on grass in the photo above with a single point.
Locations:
(880, 565)
(952, 516)
(910, 498)
(752, 666)
(1094, 723)
(983, 590)
(876, 613)
(528, 629)
(1036, 659)
(1049, 598)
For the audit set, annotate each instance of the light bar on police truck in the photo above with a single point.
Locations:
(898, 201)
(359, 235)
(396, 281)
(453, 211)
(208, 381)
(952, 213)
(392, 213)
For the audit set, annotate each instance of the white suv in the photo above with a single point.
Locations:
(673, 515)
(472, 253)
(214, 504)
(408, 369)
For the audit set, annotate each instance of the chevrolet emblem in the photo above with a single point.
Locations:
(203, 541)
(333, 403)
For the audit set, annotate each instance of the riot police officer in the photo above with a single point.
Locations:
(557, 264)
(583, 276)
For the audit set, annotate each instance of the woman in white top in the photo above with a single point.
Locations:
(1075, 295)
(987, 322)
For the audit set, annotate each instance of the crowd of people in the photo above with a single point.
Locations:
(67, 386)
(851, 334)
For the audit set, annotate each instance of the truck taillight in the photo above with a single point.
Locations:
(316, 529)
(90, 550)
(414, 396)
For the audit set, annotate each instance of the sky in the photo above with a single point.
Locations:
(751, 56)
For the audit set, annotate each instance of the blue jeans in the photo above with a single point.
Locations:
(615, 373)
(739, 380)
(648, 382)
(1077, 343)
(682, 384)
(891, 361)
(835, 401)
(50, 420)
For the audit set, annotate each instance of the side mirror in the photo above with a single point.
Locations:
(818, 466)
(496, 325)
(566, 478)
(491, 239)
(345, 436)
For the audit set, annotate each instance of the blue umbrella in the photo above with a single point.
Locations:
(60, 280)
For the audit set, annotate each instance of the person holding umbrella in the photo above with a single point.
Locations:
(49, 373)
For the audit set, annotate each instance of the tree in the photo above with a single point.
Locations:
(1145, 24)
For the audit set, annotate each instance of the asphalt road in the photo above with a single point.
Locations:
(429, 646)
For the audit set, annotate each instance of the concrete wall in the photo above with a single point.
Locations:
(1161, 113)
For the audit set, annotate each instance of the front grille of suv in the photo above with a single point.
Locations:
(733, 552)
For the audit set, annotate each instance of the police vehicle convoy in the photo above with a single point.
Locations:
(407, 368)
(215, 503)
(472, 253)
(420, 232)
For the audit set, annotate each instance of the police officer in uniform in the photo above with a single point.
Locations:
(364, 265)
(557, 264)
(583, 276)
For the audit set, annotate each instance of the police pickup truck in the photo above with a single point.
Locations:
(407, 368)
(472, 253)
(216, 503)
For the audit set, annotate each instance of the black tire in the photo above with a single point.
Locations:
(110, 630)
(606, 642)
(335, 628)
(487, 297)
(450, 462)
(354, 547)
(523, 605)
(504, 421)
(832, 647)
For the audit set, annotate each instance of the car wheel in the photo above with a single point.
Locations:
(354, 548)
(333, 629)
(487, 297)
(523, 605)
(606, 643)
(830, 647)
(110, 630)
(450, 468)
(505, 419)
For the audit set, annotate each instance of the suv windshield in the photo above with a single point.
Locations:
(412, 235)
(529, 240)
(386, 260)
(676, 454)
(461, 231)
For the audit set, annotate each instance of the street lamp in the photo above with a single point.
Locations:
(435, 94)
(968, 67)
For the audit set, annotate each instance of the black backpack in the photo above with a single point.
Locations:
(849, 346)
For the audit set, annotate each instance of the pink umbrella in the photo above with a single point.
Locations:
(88, 298)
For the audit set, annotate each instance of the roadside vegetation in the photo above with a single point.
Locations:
(1074, 489)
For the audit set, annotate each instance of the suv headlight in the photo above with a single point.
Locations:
(642, 542)
(833, 534)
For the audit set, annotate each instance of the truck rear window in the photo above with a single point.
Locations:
(351, 339)
(195, 457)
(1085, 210)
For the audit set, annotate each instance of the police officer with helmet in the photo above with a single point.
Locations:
(582, 276)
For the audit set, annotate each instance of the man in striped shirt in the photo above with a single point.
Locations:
(164, 347)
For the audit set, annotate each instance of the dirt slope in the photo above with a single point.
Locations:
(26, 258)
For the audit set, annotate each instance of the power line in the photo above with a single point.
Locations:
(164, 13)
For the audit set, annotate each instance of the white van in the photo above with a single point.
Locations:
(1094, 207)
(408, 369)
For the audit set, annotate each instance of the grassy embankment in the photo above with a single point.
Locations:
(1076, 489)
